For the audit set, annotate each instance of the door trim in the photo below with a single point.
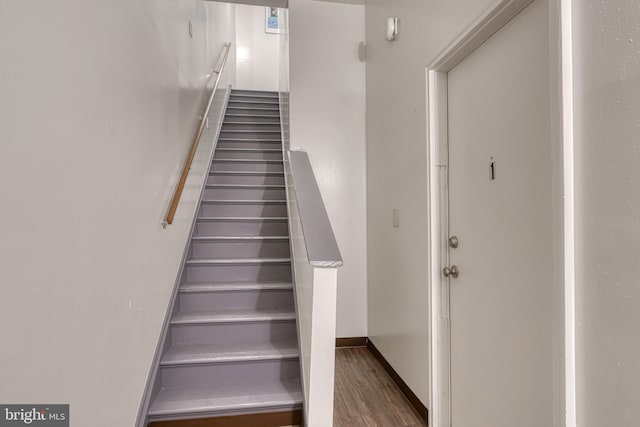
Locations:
(561, 110)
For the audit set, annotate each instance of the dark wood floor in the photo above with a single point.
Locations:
(365, 395)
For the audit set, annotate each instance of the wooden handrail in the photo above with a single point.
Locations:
(173, 207)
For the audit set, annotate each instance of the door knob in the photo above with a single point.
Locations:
(453, 242)
(451, 271)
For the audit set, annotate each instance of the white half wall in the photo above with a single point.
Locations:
(99, 106)
(327, 110)
(607, 153)
(257, 51)
(397, 174)
(315, 294)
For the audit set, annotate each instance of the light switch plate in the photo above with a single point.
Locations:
(396, 218)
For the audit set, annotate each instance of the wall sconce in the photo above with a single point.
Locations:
(392, 28)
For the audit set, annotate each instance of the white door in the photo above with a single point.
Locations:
(500, 211)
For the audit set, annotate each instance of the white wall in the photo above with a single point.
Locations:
(283, 55)
(327, 108)
(257, 52)
(221, 28)
(606, 40)
(99, 105)
(607, 102)
(284, 86)
(397, 174)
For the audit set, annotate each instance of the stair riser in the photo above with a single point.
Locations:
(245, 193)
(233, 333)
(253, 98)
(251, 127)
(249, 144)
(270, 93)
(245, 300)
(254, 155)
(247, 166)
(253, 118)
(242, 228)
(246, 179)
(253, 111)
(272, 106)
(229, 373)
(238, 273)
(250, 135)
(242, 210)
(242, 249)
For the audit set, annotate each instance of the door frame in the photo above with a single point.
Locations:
(562, 192)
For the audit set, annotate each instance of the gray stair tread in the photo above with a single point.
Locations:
(251, 150)
(240, 90)
(242, 218)
(244, 202)
(238, 261)
(268, 95)
(269, 101)
(232, 316)
(266, 140)
(242, 96)
(276, 103)
(214, 238)
(246, 161)
(227, 399)
(252, 123)
(255, 94)
(251, 99)
(253, 115)
(231, 107)
(244, 186)
(250, 173)
(239, 142)
(233, 286)
(200, 354)
(249, 131)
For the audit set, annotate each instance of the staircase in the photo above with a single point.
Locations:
(231, 348)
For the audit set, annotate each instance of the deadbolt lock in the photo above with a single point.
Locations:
(451, 271)
(453, 242)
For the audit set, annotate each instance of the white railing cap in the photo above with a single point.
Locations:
(322, 248)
